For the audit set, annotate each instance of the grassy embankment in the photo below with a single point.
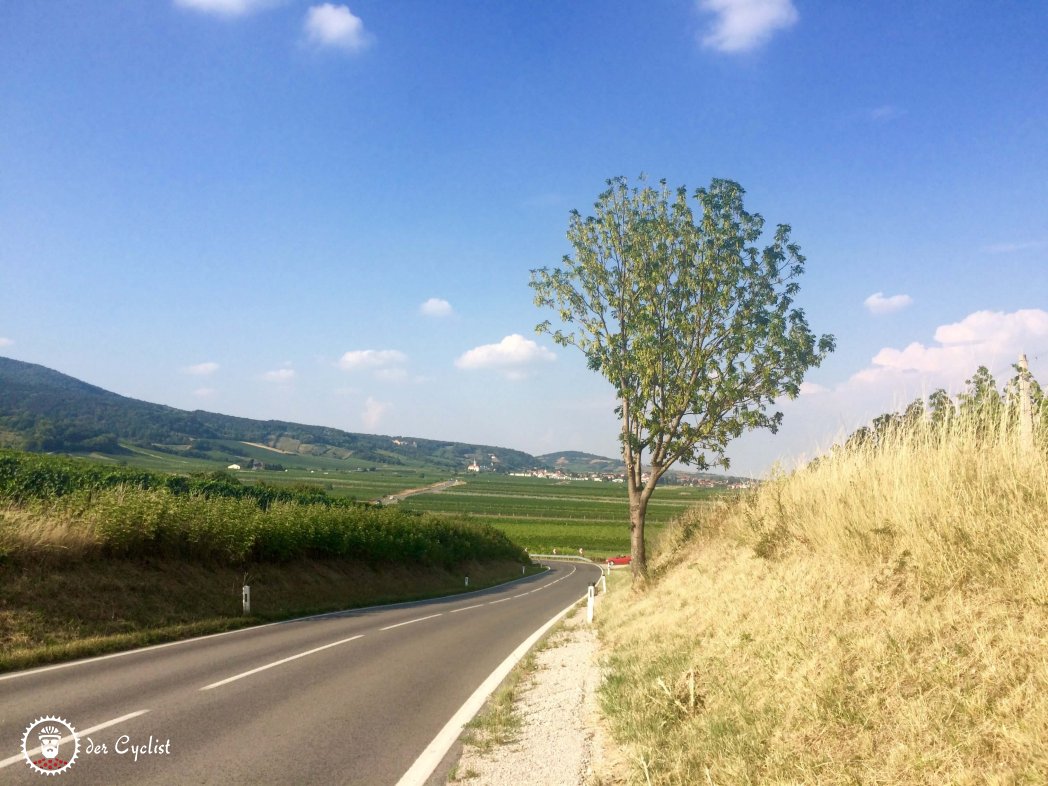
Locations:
(880, 616)
(94, 559)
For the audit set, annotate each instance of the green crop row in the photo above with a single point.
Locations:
(53, 505)
(28, 476)
(523, 507)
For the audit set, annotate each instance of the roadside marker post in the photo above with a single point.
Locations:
(467, 581)
(1025, 405)
(246, 597)
(589, 604)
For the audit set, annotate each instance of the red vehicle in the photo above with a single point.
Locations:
(623, 560)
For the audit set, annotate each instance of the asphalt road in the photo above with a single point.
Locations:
(353, 697)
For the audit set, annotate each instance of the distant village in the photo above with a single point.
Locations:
(671, 478)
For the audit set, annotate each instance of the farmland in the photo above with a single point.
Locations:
(542, 514)
(537, 513)
(349, 478)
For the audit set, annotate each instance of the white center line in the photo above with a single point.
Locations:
(431, 616)
(467, 608)
(236, 677)
(69, 737)
(493, 602)
(521, 595)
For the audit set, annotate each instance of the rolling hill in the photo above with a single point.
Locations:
(575, 461)
(45, 410)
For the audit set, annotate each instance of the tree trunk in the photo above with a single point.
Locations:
(638, 554)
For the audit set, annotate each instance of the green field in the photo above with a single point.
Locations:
(351, 478)
(542, 514)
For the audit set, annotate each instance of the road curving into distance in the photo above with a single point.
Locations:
(366, 696)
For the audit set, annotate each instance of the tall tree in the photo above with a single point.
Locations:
(941, 408)
(693, 325)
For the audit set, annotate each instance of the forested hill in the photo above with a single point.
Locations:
(576, 461)
(44, 410)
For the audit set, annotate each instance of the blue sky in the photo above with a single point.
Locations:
(328, 213)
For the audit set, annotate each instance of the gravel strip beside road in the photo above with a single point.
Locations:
(560, 739)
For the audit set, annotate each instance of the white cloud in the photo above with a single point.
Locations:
(202, 369)
(984, 338)
(1011, 248)
(336, 26)
(436, 307)
(360, 359)
(6, 342)
(877, 303)
(374, 411)
(204, 392)
(279, 375)
(885, 112)
(512, 356)
(229, 8)
(742, 25)
(812, 388)
(893, 378)
(395, 374)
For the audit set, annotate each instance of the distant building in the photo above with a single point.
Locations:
(233, 466)
(474, 467)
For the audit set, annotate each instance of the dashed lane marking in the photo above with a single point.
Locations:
(241, 676)
(409, 622)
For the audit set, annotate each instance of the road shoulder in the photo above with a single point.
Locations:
(559, 739)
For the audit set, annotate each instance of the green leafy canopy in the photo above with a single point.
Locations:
(694, 326)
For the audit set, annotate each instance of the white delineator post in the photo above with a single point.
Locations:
(246, 597)
(467, 581)
(589, 603)
(1025, 405)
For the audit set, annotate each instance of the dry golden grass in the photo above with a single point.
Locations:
(44, 529)
(880, 617)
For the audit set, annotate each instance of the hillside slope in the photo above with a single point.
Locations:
(876, 617)
(45, 410)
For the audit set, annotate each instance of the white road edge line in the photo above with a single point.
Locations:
(236, 677)
(409, 622)
(466, 608)
(419, 772)
(68, 738)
